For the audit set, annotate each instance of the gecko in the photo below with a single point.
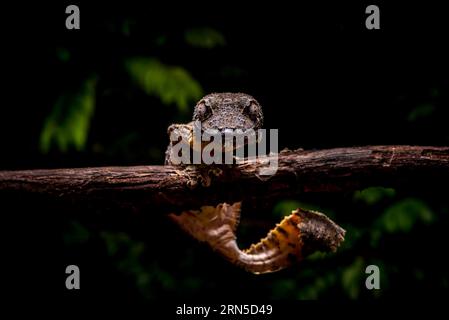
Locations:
(296, 236)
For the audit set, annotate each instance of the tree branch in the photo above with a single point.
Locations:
(168, 188)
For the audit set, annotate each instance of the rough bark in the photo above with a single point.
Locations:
(168, 188)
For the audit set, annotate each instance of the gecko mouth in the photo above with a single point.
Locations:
(234, 139)
(227, 140)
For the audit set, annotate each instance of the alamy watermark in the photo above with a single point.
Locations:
(72, 22)
(373, 280)
(73, 279)
(228, 146)
(73, 19)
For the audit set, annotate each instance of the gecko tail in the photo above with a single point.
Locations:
(295, 237)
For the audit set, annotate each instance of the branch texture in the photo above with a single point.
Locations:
(168, 188)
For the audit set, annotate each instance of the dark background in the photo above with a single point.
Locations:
(105, 94)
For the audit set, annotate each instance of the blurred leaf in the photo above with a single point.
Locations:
(204, 38)
(435, 92)
(403, 215)
(374, 195)
(68, 123)
(63, 54)
(128, 255)
(318, 255)
(166, 279)
(421, 111)
(230, 71)
(352, 278)
(160, 40)
(114, 241)
(284, 288)
(172, 84)
(352, 236)
(285, 207)
(318, 287)
(376, 235)
(76, 234)
(127, 26)
(192, 283)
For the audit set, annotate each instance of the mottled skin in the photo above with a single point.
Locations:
(296, 236)
(223, 112)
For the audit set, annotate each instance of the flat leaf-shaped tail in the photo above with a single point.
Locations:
(296, 236)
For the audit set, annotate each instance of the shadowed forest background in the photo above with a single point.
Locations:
(105, 95)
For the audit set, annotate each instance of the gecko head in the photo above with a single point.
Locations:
(228, 111)
(231, 115)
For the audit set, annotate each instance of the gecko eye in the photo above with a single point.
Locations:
(202, 111)
(252, 110)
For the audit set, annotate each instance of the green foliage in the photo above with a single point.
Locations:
(76, 234)
(352, 236)
(207, 38)
(308, 286)
(319, 285)
(127, 26)
(404, 214)
(172, 84)
(68, 123)
(63, 54)
(284, 288)
(285, 207)
(392, 216)
(420, 112)
(352, 277)
(321, 276)
(374, 195)
(128, 256)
